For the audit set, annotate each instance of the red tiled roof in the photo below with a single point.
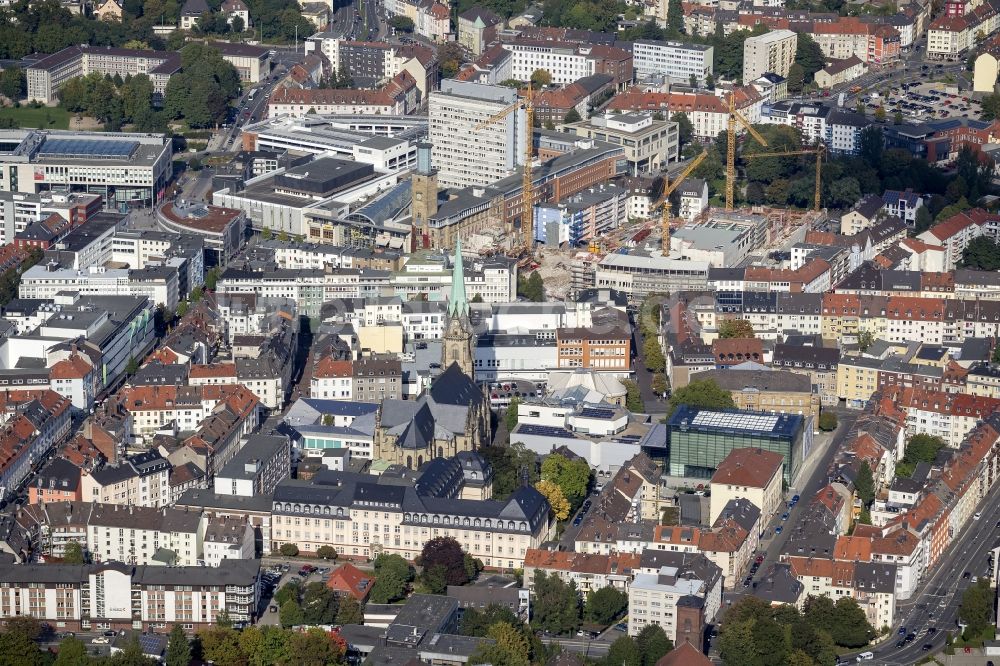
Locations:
(351, 580)
(748, 467)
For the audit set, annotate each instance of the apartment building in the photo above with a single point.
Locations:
(477, 28)
(589, 571)
(872, 585)
(252, 63)
(41, 421)
(772, 52)
(872, 43)
(950, 416)
(112, 532)
(751, 474)
(257, 468)
(949, 36)
(457, 111)
(568, 62)
(675, 60)
(371, 64)
(228, 538)
(361, 518)
(19, 210)
(819, 364)
(117, 595)
(140, 480)
(954, 235)
(398, 97)
(708, 114)
(680, 592)
(46, 76)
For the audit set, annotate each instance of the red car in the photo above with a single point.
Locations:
(760, 559)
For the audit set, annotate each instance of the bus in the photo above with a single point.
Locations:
(252, 93)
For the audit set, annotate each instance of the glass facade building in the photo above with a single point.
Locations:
(699, 439)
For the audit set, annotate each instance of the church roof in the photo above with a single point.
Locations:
(454, 387)
(458, 304)
(419, 432)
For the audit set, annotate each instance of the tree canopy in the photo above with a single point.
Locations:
(557, 500)
(700, 393)
(513, 467)
(920, 448)
(605, 605)
(392, 576)
(977, 608)
(443, 562)
(982, 253)
(571, 476)
(736, 328)
(556, 605)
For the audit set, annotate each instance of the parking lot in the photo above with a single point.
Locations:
(275, 577)
(925, 99)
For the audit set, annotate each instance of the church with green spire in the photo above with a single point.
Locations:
(457, 343)
(450, 416)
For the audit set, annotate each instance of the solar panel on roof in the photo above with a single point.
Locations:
(150, 644)
(543, 430)
(88, 148)
(597, 413)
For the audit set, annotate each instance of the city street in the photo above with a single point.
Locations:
(938, 602)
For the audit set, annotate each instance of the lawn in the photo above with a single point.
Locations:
(43, 118)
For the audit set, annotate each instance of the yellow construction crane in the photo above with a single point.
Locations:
(819, 151)
(735, 115)
(527, 186)
(668, 189)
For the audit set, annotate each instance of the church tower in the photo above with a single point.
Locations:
(457, 343)
(424, 197)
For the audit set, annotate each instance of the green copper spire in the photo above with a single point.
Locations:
(457, 304)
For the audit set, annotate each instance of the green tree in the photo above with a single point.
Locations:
(13, 83)
(291, 591)
(221, 646)
(871, 144)
(851, 628)
(827, 421)
(556, 606)
(572, 116)
(513, 467)
(685, 129)
(510, 416)
(704, 393)
(990, 107)
(319, 604)
(736, 644)
(633, 398)
(865, 484)
(653, 354)
(74, 553)
(796, 78)
(809, 56)
(477, 623)
(265, 645)
(920, 448)
(136, 96)
(290, 614)
(541, 78)
(977, 608)
(982, 253)
(880, 114)
(653, 644)
(392, 575)
(623, 652)
(73, 652)
(350, 611)
(314, 647)
(675, 17)
(923, 220)
(401, 23)
(736, 328)
(178, 648)
(572, 476)
(865, 340)
(605, 605)
(288, 549)
(132, 367)
(326, 552)
(509, 647)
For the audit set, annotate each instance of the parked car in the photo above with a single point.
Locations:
(100, 640)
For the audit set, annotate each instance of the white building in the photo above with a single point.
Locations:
(675, 60)
(771, 52)
(461, 110)
(693, 198)
(228, 538)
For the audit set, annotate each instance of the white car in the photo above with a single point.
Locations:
(100, 640)
(977, 516)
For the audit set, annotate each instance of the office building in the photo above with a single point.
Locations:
(48, 75)
(649, 144)
(700, 439)
(466, 152)
(122, 167)
(771, 52)
(676, 61)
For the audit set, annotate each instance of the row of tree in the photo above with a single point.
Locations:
(556, 607)
(755, 634)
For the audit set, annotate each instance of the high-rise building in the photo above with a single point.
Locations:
(771, 52)
(471, 145)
